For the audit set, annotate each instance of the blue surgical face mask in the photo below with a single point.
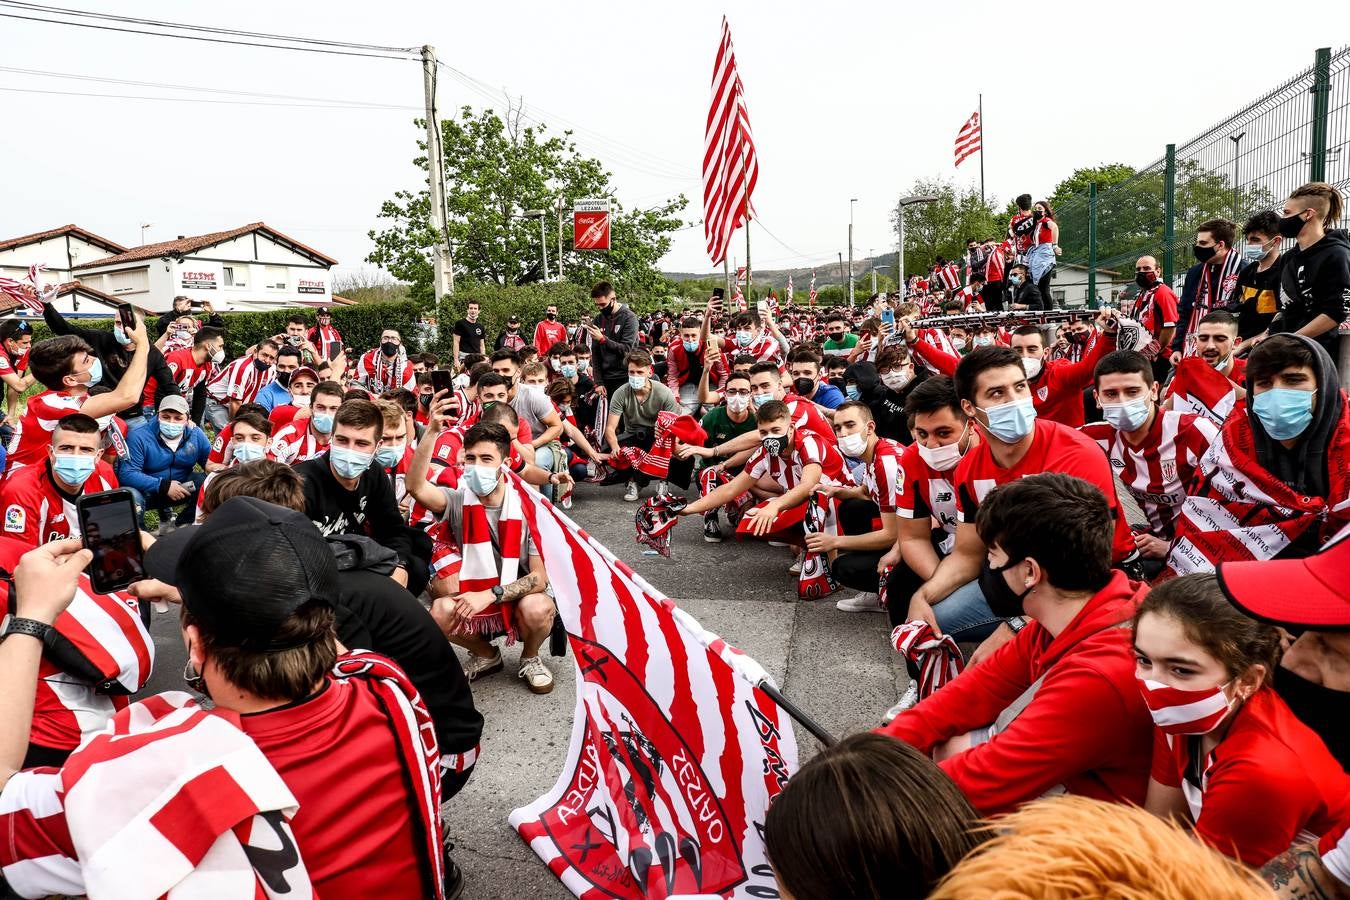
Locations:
(690, 346)
(637, 382)
(171, 430)
(95, 372)
(390, 456)
(744, 337)
(1010, 422)
(852, 391)
(246, 453)
(120, 336)
(1285, 413)
(350, 463)
(73, 470)
(323, 423)
(482, 480)
(1127, 416)
(761, 399)
(569, 372)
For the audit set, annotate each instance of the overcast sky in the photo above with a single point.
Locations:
(846, 100)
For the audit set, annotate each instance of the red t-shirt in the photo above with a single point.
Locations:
(356, 827)
(187, 374)
(927, 493)
(805, 417)
(1055, 448)
(1270, 779)
(217, 454)
(547, 333)
(1156, 309)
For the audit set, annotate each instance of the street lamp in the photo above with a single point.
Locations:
(874, 275)
(912, 200)
(543, 238)
(1237, 140)
(852, 200)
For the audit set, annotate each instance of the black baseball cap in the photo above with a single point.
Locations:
(246, 570)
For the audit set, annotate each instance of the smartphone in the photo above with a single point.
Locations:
(108, 524)
(442, 380)
(196, 303)
(887, 315)
(127, 316)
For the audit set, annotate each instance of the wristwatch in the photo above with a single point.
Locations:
(498, 593)
(14, 625)
(1017, 623)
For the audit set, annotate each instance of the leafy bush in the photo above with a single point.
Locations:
(497, 303)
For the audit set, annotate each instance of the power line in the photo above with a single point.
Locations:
(194, 37)
(202, 100)
(157, 23)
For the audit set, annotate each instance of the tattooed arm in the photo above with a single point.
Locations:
(532, 583)
(1299, 875)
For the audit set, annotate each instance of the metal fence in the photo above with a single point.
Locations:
(1249, 162)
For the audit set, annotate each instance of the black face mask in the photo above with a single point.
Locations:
(1037, 214)
(389, 348)
(1203, 254)
(261, 366)
(1003, 601)
(510, 382)
(773, 445)
(1144, 279)
(195, 680)
(550, 316)
(425, 400)
(838, 381)
(1290, 226)
(803, 386)
(1078, 337)
(284, 378)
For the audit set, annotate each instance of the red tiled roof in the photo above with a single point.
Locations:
(193, 244)
(73, 230)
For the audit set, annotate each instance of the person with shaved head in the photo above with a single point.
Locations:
(1155, 307)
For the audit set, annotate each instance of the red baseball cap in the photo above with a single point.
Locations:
(1313, 592)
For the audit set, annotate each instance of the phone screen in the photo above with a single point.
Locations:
(127, 316)
(442, 380)
(108, 524)
(719, 293)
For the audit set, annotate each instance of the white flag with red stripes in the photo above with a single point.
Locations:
(675, 753)
(968, 138)
(730, 166)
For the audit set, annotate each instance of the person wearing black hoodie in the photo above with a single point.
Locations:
(114, 349)
(886, 390)
(1315, 284)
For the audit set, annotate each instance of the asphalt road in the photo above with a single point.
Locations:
(839, 667)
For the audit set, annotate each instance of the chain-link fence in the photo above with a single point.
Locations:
(1249, 162)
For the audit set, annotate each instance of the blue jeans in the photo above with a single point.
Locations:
(162, 505)
(965, 614)
(1039, 260)
(543, 458)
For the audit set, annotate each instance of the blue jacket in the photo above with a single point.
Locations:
(150, 464)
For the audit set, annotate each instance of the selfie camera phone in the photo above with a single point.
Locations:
(887, 315)
(442, 380)
(110, 532)
(127, 316)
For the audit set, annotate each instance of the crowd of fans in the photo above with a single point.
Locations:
(953, 456)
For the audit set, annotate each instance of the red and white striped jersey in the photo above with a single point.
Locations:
(993, 266)
(37, 513)
(240, 380)
(807, 449)
(1157, 472)
(805, 417)
(949, 276)
(379, 375)
(39, 420)
(928, 494)
(884, 475)
(187, 374)
(297, 442)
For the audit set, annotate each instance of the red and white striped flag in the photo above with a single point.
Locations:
(968, 139)
(30, 295)
(789, 291)
(675, 752)
(730, 167)
(740, 274)
(811, 295)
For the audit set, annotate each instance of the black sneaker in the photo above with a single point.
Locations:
(454, 878)
(712, 531)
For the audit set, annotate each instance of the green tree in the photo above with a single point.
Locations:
(940, 229)
(495, 170)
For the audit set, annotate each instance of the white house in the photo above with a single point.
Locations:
(251, 268)
(60, 250)
(1069, 285)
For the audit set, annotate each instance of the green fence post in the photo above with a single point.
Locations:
(1169, 211)
(1092, 246)
(1321, 91)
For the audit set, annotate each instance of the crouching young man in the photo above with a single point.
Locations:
(177, 798)
(490, 596)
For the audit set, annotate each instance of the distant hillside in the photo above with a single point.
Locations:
(801, 278)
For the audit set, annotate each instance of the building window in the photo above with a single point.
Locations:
(236, 276)
(276, 278)
(129, 282)
(1058, 297)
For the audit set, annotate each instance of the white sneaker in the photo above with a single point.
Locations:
(662, 489)
(909, 700)
(796, 567)
(536, 675)
(863, 601)
(482, 666)
(566, 502)
(630, 493)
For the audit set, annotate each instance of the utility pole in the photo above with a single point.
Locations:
(442, 262)
(560, 228)
(749, 277)
(852, 200)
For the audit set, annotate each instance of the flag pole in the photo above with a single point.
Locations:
(749, 279)
(802, 718)
(981, 111)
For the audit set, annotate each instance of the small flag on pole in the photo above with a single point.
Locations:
(789, 291)
(968, 139)
(811, 295)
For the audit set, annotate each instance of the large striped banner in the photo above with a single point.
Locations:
(675, 753)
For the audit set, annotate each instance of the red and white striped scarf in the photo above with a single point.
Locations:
(469, 410)
(656, 461)
(31, 297)
(1236, 510)
(938, 658)
(710, 479)
(1215, 291)
(479, 570)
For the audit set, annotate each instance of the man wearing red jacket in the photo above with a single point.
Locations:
(1057, 385)
(549, 331)
(684, 364)
(1057, 708)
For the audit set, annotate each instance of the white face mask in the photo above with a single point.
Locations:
(854, 445)
(738, 404)
(945, 457)
(1032, 365)
(897, 379)
(300, 399)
